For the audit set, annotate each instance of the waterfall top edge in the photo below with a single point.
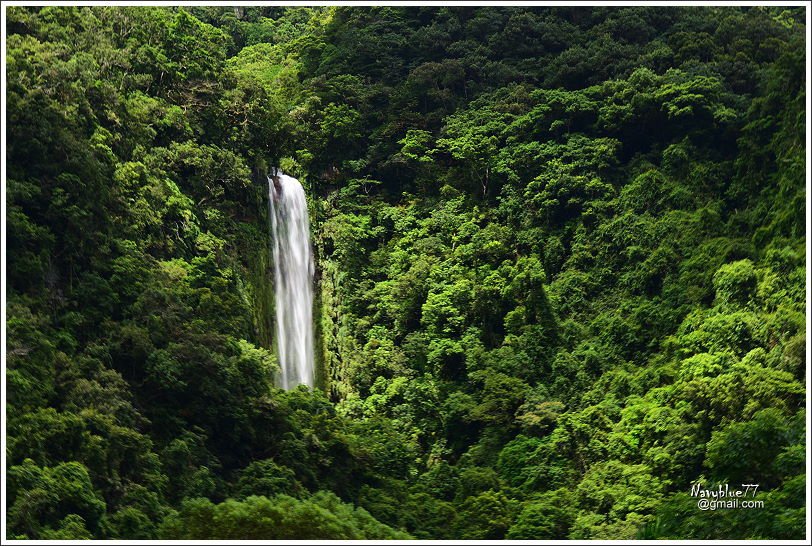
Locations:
(276, 172)
(280, 179)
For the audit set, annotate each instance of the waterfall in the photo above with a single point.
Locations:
(293, 278)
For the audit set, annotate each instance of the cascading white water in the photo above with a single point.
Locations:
(293, 276)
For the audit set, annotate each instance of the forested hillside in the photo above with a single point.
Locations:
(560, 264)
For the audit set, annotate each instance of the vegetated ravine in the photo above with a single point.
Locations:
(556, 254)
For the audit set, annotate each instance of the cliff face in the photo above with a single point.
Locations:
(334, 349)
(258, 276)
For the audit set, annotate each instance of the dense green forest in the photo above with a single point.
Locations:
(560, 271)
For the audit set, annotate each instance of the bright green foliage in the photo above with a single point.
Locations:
(746, 452)
(544, 517)
(735, 282)
(52, 502)
(560, 271)
(615, 499)
(485, 517)
(323, 516)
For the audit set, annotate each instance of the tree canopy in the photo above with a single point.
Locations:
(560, 271)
